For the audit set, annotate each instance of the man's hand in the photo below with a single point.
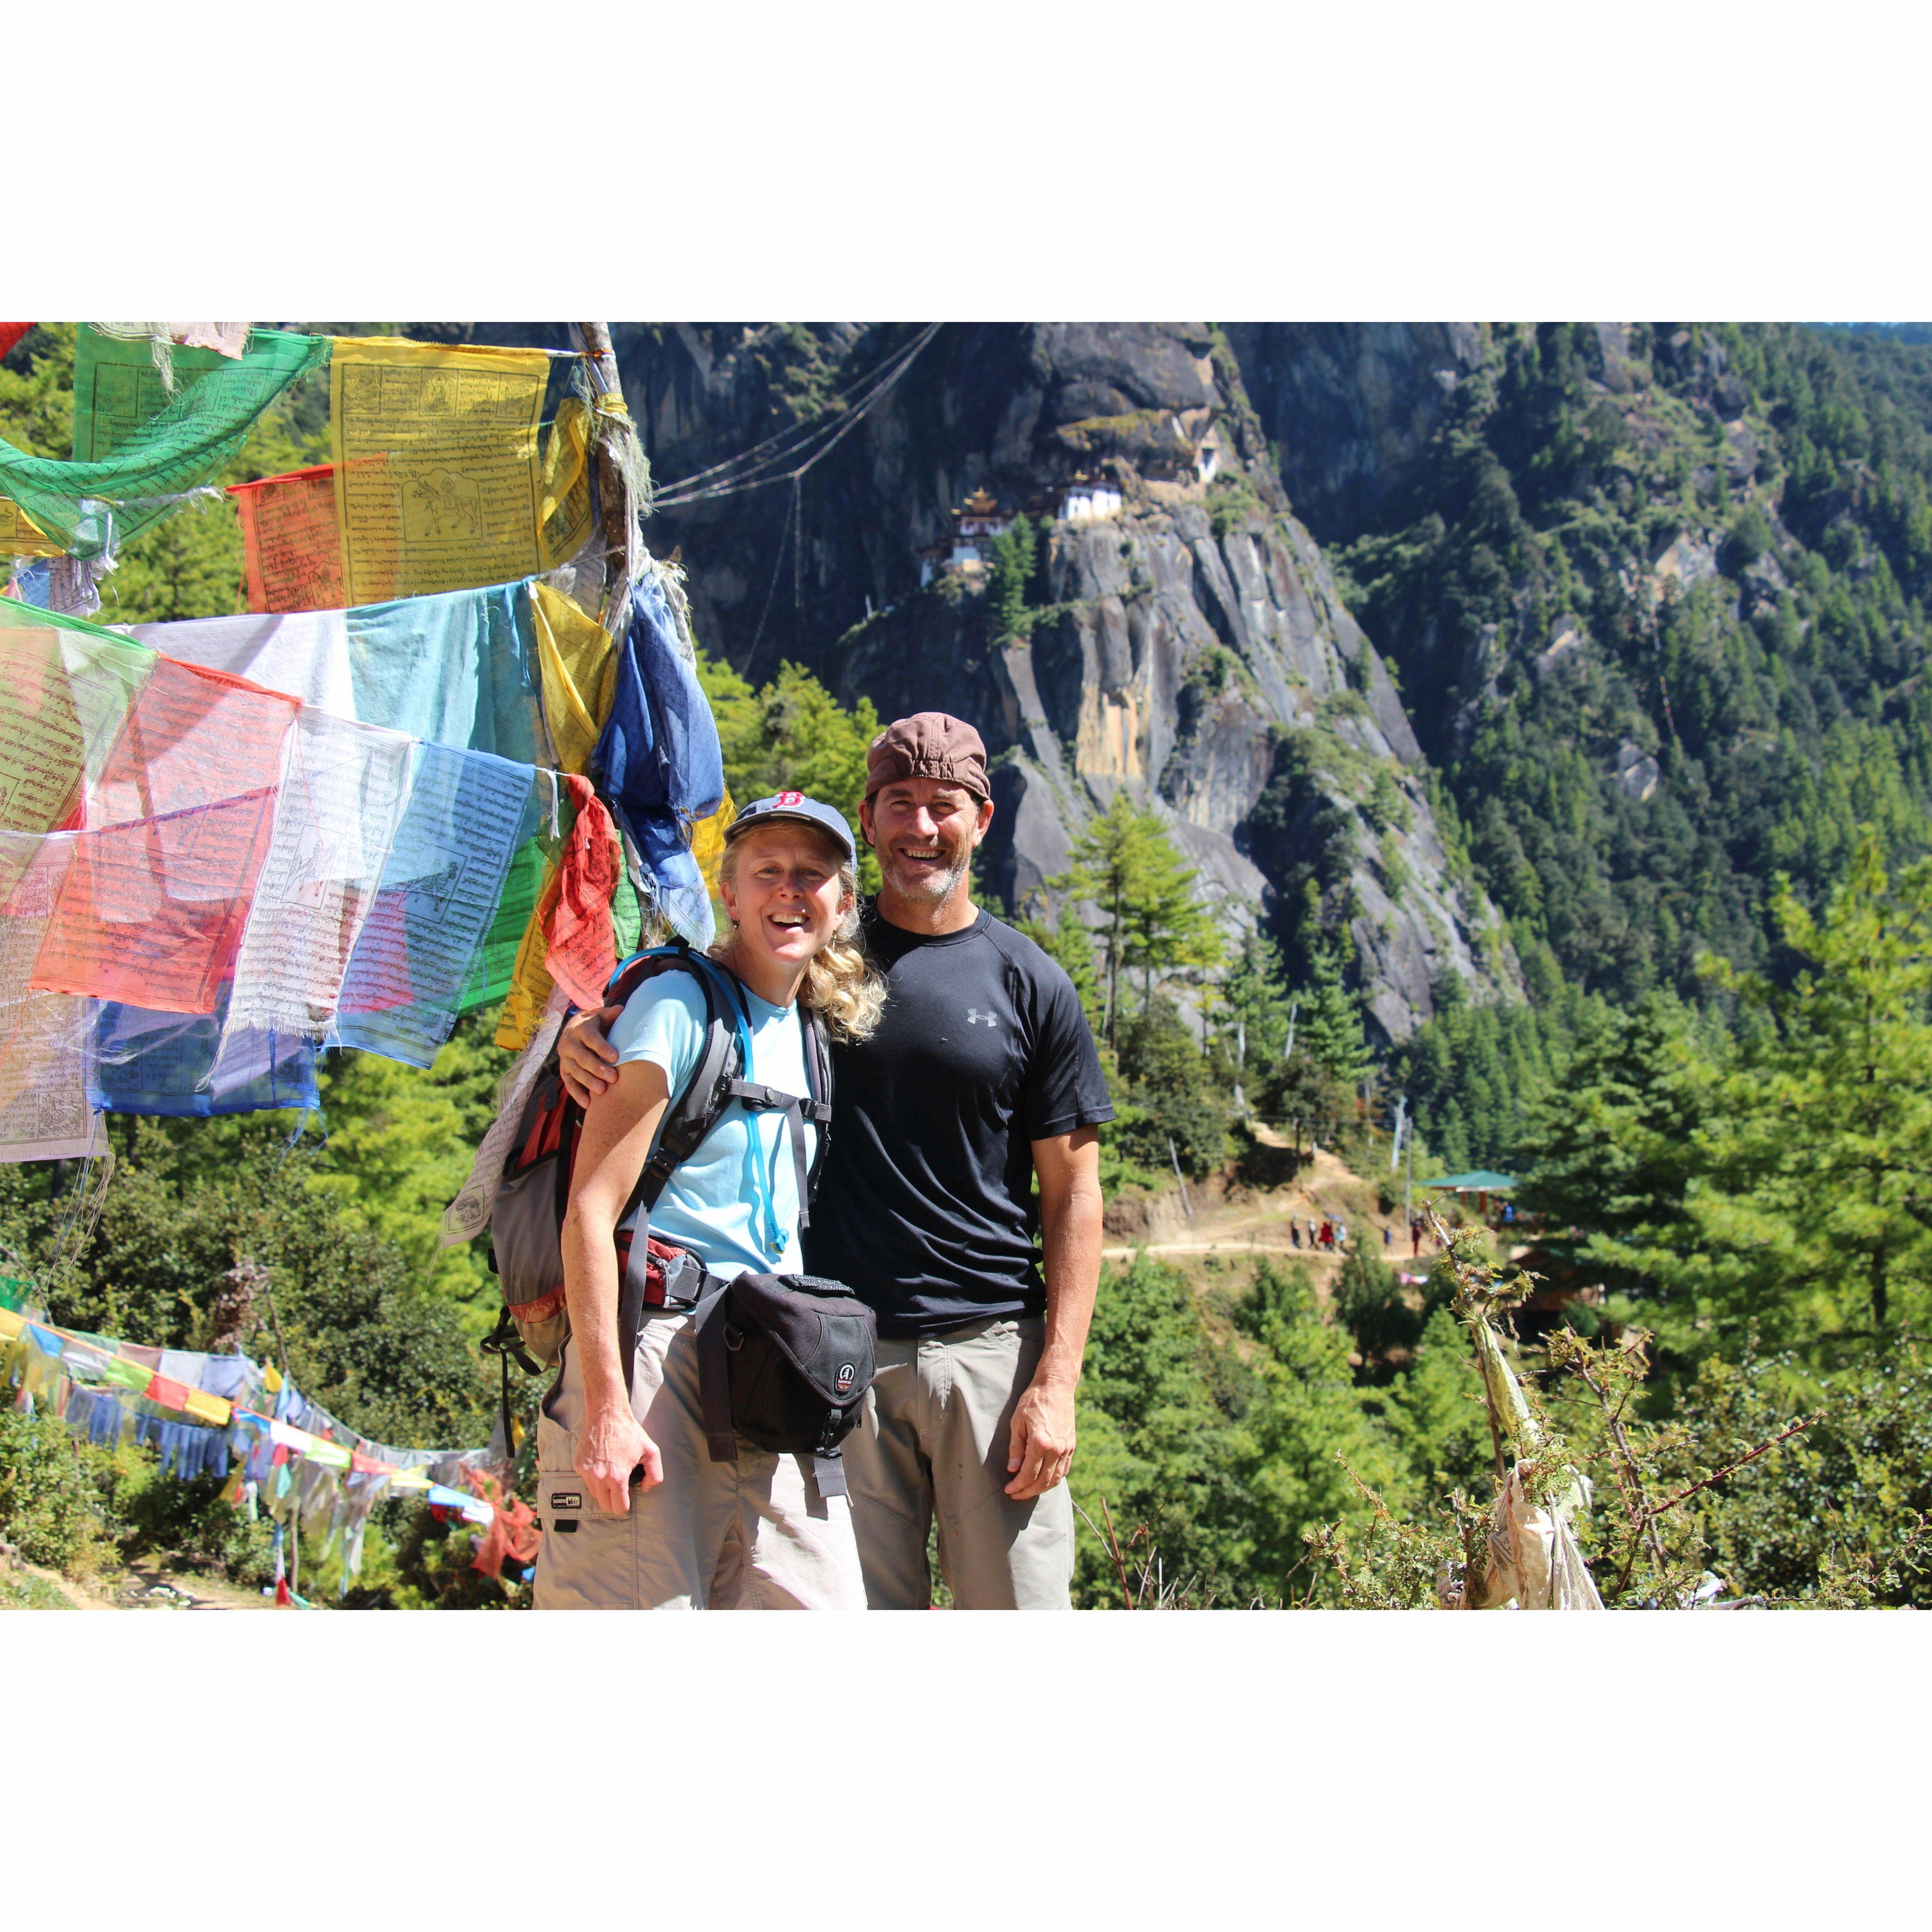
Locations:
(1042, 1450)
(586, 1059)
(612, 1446)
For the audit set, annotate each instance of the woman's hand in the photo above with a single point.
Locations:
(612, 1445)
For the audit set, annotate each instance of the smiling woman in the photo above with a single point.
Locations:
(638, 1514)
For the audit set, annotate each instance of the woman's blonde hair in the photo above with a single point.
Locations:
(841, 985)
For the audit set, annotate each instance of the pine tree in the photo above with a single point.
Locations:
(1329, 1024)
(1010, 572)
(1609, 1147)
(792, 734)
(1256, 997)
(1820, 1174)
(1124, 865)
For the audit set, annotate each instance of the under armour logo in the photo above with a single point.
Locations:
(976, 1018)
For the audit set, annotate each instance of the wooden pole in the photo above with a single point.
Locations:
(613, 489)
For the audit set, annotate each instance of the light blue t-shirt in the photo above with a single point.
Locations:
(725, 1201)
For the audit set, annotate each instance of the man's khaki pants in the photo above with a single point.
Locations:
(933, 1440)
(751, 1535)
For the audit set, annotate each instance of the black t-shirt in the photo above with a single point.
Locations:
(925, 1207)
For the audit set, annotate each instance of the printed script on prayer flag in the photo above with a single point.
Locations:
(64, 700)
(193, 737)
(458, 503)
(117, 388)
(44, 1110)
(419, 947)
(291, 544)
(150, 913)
(340, 800)
(20, 536)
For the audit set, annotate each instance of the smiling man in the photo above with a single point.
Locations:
(981, 1081)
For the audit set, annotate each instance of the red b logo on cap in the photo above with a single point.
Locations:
(791, 798)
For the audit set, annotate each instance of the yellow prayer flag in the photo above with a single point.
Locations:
(271, 1379)
(563, 508)
(10, 1323)
(577, 659)
(707, 842)
(438, 482)
(20, 536)
(215, 1408)
(530, 982)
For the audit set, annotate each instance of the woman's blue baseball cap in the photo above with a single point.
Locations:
(783, 806)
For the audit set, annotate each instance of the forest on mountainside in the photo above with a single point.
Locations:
(1657, 596)
(1656, 599)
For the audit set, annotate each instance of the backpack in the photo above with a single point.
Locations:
(526, 1222)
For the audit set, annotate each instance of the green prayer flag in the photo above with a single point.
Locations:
(95, 503)
(495, 960)
(118, 390)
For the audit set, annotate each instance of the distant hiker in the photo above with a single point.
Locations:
(1341, 1233)
(1328, 1235)
(1295, 1231)
(1415, 1236)
(982, 1077)
(1314, 1239)
(1388, 1234)
(656, 1523)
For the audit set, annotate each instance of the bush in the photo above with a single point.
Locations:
(1174, 1090)
(1369, 1300)
(52, 1509)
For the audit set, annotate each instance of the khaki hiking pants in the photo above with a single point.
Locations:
(752, 1534)
(933, 1441)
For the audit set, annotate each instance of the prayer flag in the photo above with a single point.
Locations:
(658, 759)
(150, 913)
(193, 737)
(195, 1065)
(459, 501)
(167, 1392)
(93, 504)
(581, 956)
(213, 1408)
(577, 659)
(63, 700)
(341, 798)
(418, 949)
(291, 547)
(21, 536)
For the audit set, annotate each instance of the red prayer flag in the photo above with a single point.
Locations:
(582, 952)
(193, 737)
(10, 332)
(169, 1394)
(291, 542)
(150, 913)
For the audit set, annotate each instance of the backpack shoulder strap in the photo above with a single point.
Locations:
(818, 1082)
(693, 1112)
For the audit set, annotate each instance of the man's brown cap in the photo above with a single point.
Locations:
(929, 744)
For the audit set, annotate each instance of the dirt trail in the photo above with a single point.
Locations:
(142, 1586)
(1258, 1222)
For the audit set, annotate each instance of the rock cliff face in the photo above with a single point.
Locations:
(1188, 645)
(1347, 406)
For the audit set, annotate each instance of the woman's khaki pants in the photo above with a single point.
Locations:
(751, 1535)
